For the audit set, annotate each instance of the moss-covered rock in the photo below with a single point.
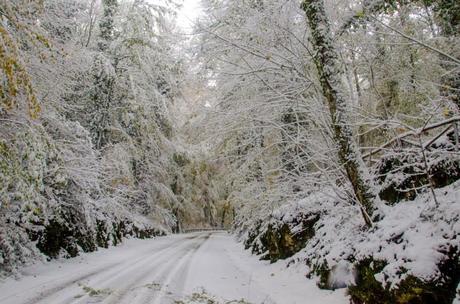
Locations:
(367, 288)
(250, 241)
(280, 243)
(411, 290)
(277, 240)
(66, 232)
(321, 270)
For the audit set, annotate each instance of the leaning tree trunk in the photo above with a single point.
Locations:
(331, 74)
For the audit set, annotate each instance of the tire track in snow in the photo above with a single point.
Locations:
(49, 292)
(146, 277)
(123, 271)
(178, 269)
(44, 296)
(72, 282)
(236, 264)
(136, 279)
(181, 281)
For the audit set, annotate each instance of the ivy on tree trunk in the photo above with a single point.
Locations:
(330, 74)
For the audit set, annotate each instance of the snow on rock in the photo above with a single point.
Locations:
(341, 275)
(411, 237)
(415, 237)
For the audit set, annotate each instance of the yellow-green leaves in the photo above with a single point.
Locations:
(360, 14)
(16, 86)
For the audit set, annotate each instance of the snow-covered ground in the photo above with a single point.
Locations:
(165, 270)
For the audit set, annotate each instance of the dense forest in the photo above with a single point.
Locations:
(325, 132)
(90, 150)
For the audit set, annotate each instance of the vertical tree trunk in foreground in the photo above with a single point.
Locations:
(330, 74)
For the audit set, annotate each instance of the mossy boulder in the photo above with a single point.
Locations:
(251, 241)
(411, 290)
(281, 240)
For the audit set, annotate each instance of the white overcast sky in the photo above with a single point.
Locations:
(189, 12)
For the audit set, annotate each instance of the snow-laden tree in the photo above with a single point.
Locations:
(96, 163)
(330, 74)
(269, 105)
(17, 28)
(270, 118)
(312, 119)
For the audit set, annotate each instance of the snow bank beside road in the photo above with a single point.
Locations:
(224, 268)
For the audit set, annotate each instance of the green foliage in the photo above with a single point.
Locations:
(368, 289)
(180, 159)
(447, 13)
(22, 168)
(17, 87)
(321, 270)
(106, 25)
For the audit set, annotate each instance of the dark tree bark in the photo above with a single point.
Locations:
(330, 74)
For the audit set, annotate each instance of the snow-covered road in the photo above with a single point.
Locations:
(162, 271)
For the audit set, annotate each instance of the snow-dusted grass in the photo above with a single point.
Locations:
(204, 298)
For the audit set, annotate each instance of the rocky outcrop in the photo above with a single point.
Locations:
(282, 237)
(69, 233)
(410, 290)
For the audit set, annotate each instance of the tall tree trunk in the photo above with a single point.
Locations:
(104, 85)
(106, 25)
(331, 74)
